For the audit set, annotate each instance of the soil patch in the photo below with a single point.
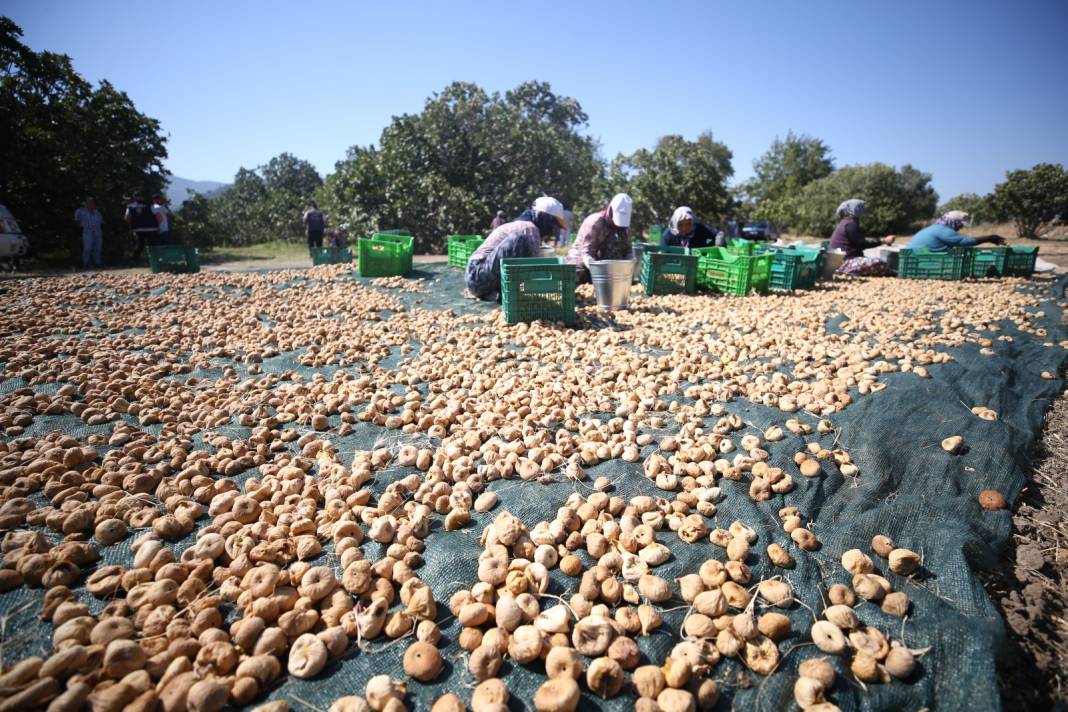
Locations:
(1030, 587)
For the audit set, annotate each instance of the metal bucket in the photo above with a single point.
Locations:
(639, 254)
(611, 282)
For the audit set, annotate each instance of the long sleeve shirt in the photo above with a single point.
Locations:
(939, 238)
(92, 222)
(849, 238)
(597, 240)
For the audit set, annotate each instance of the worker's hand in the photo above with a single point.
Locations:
(996, 240)
(889, 239)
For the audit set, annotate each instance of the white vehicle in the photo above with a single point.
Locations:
(13, 244)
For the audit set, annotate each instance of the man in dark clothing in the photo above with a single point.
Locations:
(314, 225)
(143, 223)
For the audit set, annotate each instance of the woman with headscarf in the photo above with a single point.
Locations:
(684, 230)
(944, 234)
(520, 238)
(849, 238)
(604, 235)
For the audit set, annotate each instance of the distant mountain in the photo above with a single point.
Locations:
(180, 188)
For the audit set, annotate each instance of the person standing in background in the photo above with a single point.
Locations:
(163, 221)
(92, 223)
(314, 224)
(143, 223)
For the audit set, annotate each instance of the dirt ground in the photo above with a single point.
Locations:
(1031, 586)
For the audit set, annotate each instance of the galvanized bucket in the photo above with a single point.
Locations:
(611, 282)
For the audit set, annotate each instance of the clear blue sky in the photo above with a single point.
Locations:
(962, 89)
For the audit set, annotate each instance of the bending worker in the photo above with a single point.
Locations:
(944, 234)
(603, 236)
(684, 230)
(849, 238)
(520, 238)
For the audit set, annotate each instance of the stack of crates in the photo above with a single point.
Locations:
(331, 255)
(1002, 261)
(921, 263)
(461, 247)
(385, 255)
(668, 270)
(720, 271)
(173, 258)
(793, 268)
(535, 288)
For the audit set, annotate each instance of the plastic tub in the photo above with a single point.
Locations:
(611, 282)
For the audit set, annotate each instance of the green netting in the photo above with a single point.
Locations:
(916, 493)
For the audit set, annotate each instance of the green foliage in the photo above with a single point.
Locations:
(64, 140)
(676, 172)
(1030, 198)
(782, 173)
(978, 206)
(265, 203)
(894, 200)
(468, 154)
(194, 221)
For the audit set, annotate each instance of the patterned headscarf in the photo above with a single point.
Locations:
(954, 219)
(851, 208)
(681, 214)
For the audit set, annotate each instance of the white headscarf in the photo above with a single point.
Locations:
(851, 208)
(681, 214)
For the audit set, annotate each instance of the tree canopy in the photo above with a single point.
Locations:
(448, 169)
(64, 140)
(1031, 197)
(675, 172)
(262, 204)
(788, 166)
(894, 199)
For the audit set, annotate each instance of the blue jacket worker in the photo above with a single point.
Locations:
(945, 235)
(520, 238)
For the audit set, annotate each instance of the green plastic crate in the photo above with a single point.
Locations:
(921, 263)
(987, 262)
(173, 258)
(669, 250)
(535, 288)
(793, 268)
(656, 232)
(1020, 261)
(385, 255)
(461, 247)
(720, 271)
(739, 246)
(666, 271)
(1001, 261)
(331, 255)
(394, 232)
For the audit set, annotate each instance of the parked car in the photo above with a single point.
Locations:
(13, 244)
(761, 230)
